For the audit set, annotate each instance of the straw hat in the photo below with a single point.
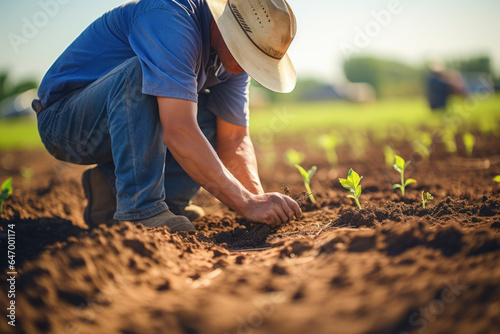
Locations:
(258, 34)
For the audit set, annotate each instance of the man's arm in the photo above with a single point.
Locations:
(236, 151)
(194, 153)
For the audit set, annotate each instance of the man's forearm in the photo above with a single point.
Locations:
(239, 158)
(200, 161)
(194, 153)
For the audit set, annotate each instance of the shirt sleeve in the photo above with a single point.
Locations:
(168, 45)
(229, 99)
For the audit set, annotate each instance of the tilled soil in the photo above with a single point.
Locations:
(393, 267)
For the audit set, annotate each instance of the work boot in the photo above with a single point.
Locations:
(101, 204)
(192, 212)
(167, 218)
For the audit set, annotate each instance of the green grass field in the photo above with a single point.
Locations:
(313, 117)
(306, 118)
(19, 134)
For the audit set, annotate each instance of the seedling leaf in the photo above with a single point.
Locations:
(354, 177)
(469, 141)
(358, 190)
(423, 145)
(352, 184)
(400, 166)
(311, 171)
(302, 171)
(6, 188)
(448, 138)
(307, 180)
(496, 178)
(428, 197)
(5, 191)
(399, 163)
(328, 142)
(410, 181)
(294, 157)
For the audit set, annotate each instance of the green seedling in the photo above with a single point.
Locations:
(423, 145)
(496, 178)
(469, 141)
(400, 166)
(5, 192)
(426, 198)
(293, 157)
(487, 125)
(328, 143)
(389, 155)
(307, 176)
(352, 184)
(448, 138)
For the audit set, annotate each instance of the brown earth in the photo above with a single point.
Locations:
(392, 267)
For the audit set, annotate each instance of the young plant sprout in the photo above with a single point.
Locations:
(400, 166)
(423, 145)
(469, 141)
(496, 178)
(293, 157)
(307, 176)
(352, 184)
(448, 138)
(487, 125)
(5, 192)
(426, 198)
(328, 143)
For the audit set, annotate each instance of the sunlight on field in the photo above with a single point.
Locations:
(303, 118)
(18, 134)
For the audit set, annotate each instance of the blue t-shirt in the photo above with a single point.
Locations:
(171, 38)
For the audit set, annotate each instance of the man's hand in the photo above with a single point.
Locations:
(191, 149)
(272, 209)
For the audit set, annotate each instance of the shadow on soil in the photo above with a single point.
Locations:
(32, 236)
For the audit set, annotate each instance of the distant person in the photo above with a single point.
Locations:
(147, 90)
(441, 84)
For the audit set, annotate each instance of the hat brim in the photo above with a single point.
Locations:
(277, 75)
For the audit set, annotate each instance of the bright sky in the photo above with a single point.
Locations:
(410, 30)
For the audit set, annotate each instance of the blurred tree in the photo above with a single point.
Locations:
(306, 89)
(7, 90)
(481, 64)
(389, 78)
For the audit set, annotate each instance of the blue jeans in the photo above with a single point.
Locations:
(112, 124)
